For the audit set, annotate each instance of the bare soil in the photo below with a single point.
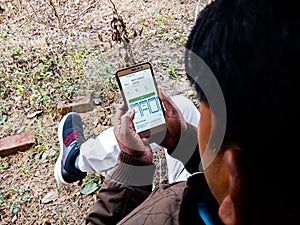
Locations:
(157, 31)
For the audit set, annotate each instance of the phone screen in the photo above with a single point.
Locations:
(140, 93)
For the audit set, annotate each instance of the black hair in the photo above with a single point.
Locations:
(252, 47)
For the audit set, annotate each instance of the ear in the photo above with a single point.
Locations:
(229, 209)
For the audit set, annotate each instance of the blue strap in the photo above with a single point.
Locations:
(204, 214)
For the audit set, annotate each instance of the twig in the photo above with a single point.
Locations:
(143, 7)
(29, 16)
(115, 10)
(55, 13)
(82, 12)
(120, 35)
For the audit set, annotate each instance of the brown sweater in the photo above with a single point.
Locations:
(126, 196)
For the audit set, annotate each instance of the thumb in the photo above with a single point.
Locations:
(126, 121)
(128, 117)
(131, 113)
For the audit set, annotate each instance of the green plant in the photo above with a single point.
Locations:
(13, 198)
(4, 166)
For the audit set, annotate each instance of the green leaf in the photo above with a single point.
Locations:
(26, 196)
(159, 19)
(4, 166)
(89, 188)
(3, 119)
(14, 208)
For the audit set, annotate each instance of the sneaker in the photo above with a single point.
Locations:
(70, 135)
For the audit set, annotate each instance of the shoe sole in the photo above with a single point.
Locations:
(57, 168)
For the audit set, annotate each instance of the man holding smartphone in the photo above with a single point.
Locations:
(79, 156)
(252, 48)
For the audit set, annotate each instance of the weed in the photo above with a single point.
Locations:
(173, 75)
(4, 166)
(13, 198)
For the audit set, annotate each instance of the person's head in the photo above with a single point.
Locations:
(252, 48)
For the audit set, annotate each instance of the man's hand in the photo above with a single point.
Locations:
(175, 122)
(129, 141)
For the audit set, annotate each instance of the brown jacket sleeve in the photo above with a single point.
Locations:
(126, 187)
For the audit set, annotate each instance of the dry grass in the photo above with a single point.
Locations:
(55, 50)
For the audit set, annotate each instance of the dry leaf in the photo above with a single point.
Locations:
(48, 154)
(34, 114)
(49, 197)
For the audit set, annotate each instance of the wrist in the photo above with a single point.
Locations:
(132, 171)
(132, 160)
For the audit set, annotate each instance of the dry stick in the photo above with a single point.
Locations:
(30, 16)
(82, 12)
(126, 45)
(19, 19)
(33, 9)
(56, 14)
(36, 21)
(78, 9)
(115, 10)
(143, 7)
(16, 13)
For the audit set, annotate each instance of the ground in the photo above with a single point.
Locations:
(52, 51)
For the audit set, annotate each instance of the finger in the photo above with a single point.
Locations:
(128, 136)
(167, 101)
(126, 119)
(122, 106)
(161, 93)
(131, 113)
(120, 111)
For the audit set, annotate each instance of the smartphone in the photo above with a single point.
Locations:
(139, 90)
